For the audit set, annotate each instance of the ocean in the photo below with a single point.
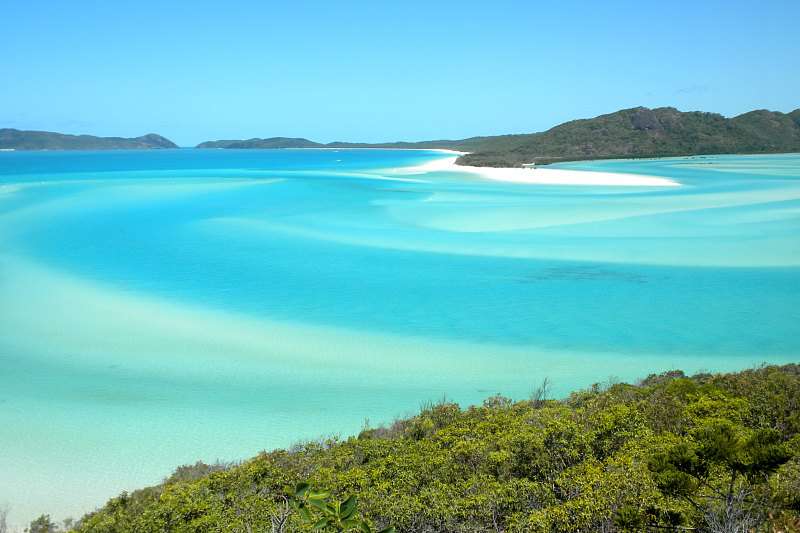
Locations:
(163, 307)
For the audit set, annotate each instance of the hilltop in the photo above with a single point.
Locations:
(47, 140)
(272, 142)
(711, 452)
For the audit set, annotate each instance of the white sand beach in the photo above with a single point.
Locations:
(540, 176)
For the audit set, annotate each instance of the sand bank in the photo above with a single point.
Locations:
(541, 176)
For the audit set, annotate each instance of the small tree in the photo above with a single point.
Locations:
(3, 519)
(722, 474)
(43, 524)
(539, 394)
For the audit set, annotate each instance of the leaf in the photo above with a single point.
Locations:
(301, 489)
(389, 529)
(348, 507)
(365, 528)
(305, 514)
(321, 495)
(321, 505)
(322, 523)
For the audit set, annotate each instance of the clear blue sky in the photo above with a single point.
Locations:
(379, 71)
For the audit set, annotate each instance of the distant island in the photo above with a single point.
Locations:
(643, 132)
(271, 143)
(629, 133)
(11, 139)
(636, 132)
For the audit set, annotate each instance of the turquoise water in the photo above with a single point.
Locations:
(162, 307)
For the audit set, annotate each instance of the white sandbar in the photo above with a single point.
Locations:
(543, 176)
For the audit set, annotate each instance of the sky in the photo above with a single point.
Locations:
(380, 71)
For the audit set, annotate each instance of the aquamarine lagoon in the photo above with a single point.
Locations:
(167, 306)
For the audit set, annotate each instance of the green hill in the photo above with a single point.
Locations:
(643, 132)
(708, 452)
(637, 132)
(272, 142)
(11, 139)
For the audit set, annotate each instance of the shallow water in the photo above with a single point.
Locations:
(162, 307)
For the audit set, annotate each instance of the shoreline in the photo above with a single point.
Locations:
(541, 176)
(519, 175)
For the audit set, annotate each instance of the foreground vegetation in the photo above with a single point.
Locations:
(705, 453)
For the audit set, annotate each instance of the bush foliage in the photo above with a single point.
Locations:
(708, 453)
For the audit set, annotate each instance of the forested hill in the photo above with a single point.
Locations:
(272, 142)
(11, 139)
(705, 453)
(637, 132)
(643, 132)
